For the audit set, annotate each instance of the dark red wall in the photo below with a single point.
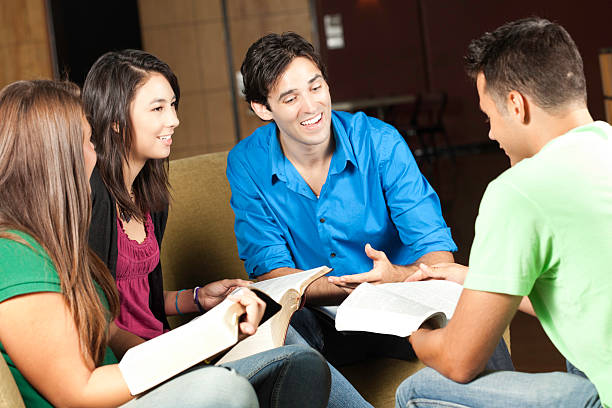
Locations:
(382, 40)
(396, 47)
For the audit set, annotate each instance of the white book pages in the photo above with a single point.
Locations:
(285, 290)
(276, 287)
(162, 357)
(397, 308)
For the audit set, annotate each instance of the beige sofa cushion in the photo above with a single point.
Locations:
(199, 244)
(9, 394)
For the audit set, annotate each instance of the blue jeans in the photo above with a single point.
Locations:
(428, 388)
(342, 393)
(276, 378)
(339, 348)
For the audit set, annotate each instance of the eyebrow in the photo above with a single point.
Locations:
(160, 100)
(290, 91)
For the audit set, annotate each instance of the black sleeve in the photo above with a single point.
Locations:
(156, 280)
(102, 231)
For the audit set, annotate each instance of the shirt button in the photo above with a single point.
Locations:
(333, 254)
(322, 220)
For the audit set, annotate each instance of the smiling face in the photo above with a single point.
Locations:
(505, 127)
(153, 117)
(300, 105)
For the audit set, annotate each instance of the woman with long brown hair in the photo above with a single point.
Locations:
(57, 299)
(131, 99)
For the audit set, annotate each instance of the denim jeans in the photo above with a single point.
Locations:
(283, 377)
(342, 393)
(428, 388)
(339, 348)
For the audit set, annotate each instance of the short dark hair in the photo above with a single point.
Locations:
(109, 89)
(266, 60)
(533, 56)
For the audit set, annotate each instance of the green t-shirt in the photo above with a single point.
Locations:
(29, 270)
(544, 229)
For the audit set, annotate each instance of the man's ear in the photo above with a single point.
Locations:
(261, 110)
(518, 106)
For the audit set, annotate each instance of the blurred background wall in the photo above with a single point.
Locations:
(25, 48)
(373, 49)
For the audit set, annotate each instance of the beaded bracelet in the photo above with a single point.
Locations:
(176, 301)
(196, 300)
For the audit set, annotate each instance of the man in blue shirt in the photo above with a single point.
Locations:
(318, 187)
(315, 186)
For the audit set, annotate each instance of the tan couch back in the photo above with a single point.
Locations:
(199, 244)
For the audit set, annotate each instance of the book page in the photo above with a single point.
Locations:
(397, 308)
(269, 335)
(438, 294)
(162, 357)
(276, 287)
(287, 291)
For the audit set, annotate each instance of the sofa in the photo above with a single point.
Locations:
(199, 247)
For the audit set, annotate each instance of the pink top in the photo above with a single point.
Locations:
(134, 263)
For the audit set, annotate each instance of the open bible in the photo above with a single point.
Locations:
(287, 291)
(397, 308)
(150, 363)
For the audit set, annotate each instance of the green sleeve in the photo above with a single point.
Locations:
(513, 243)
(25, 268)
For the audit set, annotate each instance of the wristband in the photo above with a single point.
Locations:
(176, 301)
(196, 300)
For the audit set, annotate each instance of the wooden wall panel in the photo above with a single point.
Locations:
(189, 35)
(24, 41)
(249, 20)
(212, 55)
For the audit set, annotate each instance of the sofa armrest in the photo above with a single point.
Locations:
(9, 393)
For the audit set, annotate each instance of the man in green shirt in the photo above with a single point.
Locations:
(544, 230)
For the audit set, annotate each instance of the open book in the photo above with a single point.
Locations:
(397, 308)
(208, 335)
(287, 291)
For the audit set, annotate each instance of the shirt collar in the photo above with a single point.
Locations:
(277, 158)
(343, 152)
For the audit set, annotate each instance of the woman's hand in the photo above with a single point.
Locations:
(253, 308)
(212, 294)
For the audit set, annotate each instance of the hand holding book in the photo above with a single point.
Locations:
(208, 335)
(252, 308)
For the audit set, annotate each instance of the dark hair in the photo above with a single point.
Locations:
(533, 56)
(44, 192)
(268, 57)
(109, 89)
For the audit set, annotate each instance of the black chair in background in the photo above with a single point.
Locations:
(423, 120)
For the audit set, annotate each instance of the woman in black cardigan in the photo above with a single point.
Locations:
(130, 98)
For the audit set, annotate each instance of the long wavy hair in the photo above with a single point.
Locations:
(44, 192)
(109, 89)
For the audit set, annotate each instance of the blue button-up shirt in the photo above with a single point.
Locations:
(374, 192)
